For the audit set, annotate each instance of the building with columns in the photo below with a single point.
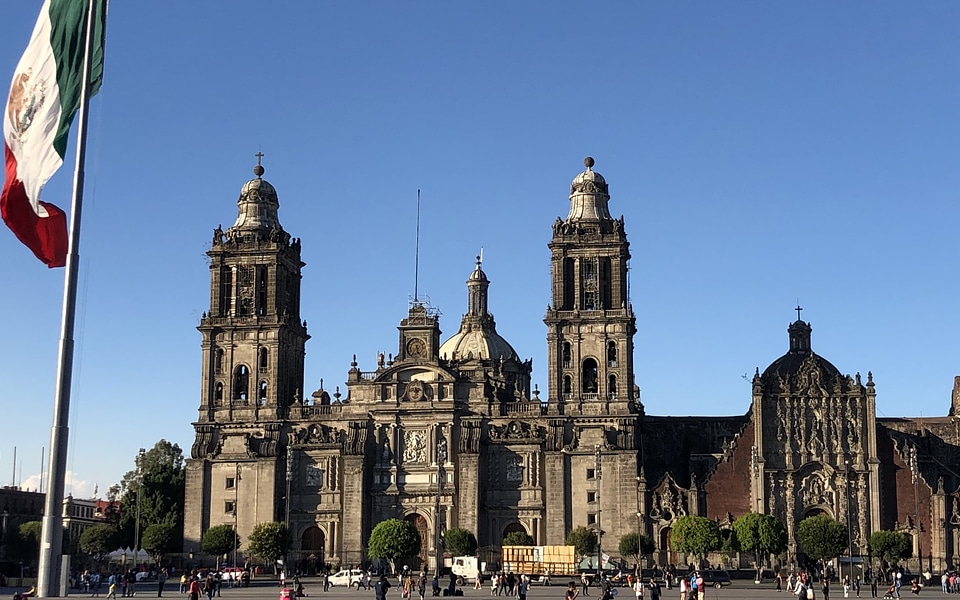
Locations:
(448, 433)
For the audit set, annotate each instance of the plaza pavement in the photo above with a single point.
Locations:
(263, 589)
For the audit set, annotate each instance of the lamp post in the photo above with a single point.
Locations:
(286, 520)
(236, 518)
(597, 466)
(136, 525)
(915, 477)
(441, 460)
(849, 522)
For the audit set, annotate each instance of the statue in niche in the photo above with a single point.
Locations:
(314, 476)
(514, 469)
(414, 447)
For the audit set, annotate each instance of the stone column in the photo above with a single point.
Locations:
(556, 485)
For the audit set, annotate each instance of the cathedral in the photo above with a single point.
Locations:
(448, 432)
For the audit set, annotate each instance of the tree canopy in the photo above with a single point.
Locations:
(821, 537)
(518, 538)
(158, 539)
(269, 541)
(161, 483)
(891, 546)
(219, 540)
(99, 541)
(760, 534)
(460, 542)
(394, 539)
(583, 540)
(695, 535)
(636, 545)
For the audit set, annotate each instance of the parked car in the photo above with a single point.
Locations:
(715, 578)
(347, 578)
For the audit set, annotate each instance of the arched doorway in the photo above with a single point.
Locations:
(513, 527)
(418, 521)
(311, 549)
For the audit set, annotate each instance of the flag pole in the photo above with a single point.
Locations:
(51, 539)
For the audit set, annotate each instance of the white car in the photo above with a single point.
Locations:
(347, 578)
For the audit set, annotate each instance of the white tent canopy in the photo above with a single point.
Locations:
(129, 556)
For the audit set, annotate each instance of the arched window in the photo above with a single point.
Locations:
(263, 392)
(567, 384)
(611, 354)
(225, 292)
(566, 355)
(218, 361)
(241, 383)
(263, 360)
(218, 394)
(612, 386)
(261, 291)
(589, 378)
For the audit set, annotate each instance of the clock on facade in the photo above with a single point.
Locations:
(416, 348)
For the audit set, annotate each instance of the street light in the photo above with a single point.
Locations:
(915, 476)
(236, 512)
(597, 466)
(136, 525)
(849, 522)
(441, 460)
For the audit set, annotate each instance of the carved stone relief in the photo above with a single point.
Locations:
(414, 446)
(513, 470)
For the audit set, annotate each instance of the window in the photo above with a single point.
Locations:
(229, 507)
(226, 291)
(591, 497)
(263, 392)
(218, 394)
(588, 279)
(591, 519)
(261, 291)
(591, 473)
(589, 378)
(612, 354)
(612, 386)
(566, 355)
(567, 384)
(231, 483)
(241, 383)
(263, 359)
(218, 363)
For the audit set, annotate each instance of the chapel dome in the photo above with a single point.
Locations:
(800, 353)
(589, 195)
(258, 204)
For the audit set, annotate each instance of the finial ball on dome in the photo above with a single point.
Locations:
(258, 170)
(589, 162)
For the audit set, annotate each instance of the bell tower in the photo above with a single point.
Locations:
(253, 338)
(590, 322)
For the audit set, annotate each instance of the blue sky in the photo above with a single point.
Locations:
(761, 153)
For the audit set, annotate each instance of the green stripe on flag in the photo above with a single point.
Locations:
(67, 20)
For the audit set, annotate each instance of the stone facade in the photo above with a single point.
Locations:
(449, 434)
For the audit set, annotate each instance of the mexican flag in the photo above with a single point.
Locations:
(44, 97)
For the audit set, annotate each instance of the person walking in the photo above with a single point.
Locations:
(381, 588)
(194, 588)
(638, 588)
(584, 584)
(161, 579)
(422, 584)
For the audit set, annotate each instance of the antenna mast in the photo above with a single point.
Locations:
(416, 260)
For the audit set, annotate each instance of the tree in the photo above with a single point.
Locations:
(23, 543)
(695, 535)
(460, 542)
(583, 540)
(219, 540)
(517, 538)
(394, 539)
(161, 481)
(269, 542)
(821, 537)
(636, 545)
(891, 546)
(158, 539)
(98, 541)
(761, 534)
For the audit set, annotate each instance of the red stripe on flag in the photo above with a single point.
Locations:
(45, 236)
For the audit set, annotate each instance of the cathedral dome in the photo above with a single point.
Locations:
(800, 353)
(476, 343)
